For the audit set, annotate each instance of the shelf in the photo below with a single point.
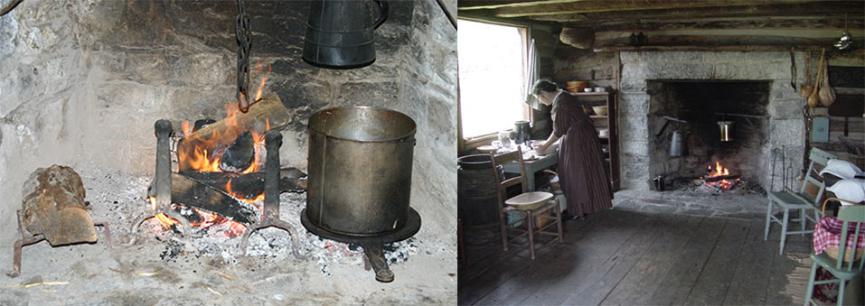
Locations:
(607, 121)
(589, 93)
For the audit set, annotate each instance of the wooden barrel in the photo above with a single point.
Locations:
(476, 190)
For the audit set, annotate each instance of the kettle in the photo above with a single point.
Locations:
(339, 33)
(677, 144)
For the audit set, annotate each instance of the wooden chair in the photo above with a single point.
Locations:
(842, 271)
(808, 198)
(527, 206)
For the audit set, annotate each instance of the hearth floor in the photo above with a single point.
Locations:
(209, 271)
(693, 203)
(641, 256)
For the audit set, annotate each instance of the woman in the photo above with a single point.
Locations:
(581, 164)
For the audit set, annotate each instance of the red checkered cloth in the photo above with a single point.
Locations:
(827, 233)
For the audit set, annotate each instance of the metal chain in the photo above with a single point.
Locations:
(243, 33)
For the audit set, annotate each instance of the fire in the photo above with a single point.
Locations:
(201, 151)
(240, 197)
(719, 170)
(261, 85)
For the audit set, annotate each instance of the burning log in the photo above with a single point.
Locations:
(200, 123)
(711, 179)
(190, 192)
(250, 185)
(270, 108)
(240, 155)
(269, 113)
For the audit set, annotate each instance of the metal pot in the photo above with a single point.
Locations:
(360, 163)
(339, 33)
(726, 130)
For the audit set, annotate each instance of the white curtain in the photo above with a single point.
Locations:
(532, 73)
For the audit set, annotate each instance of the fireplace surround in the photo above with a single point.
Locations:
(643, 72)
(693, 109)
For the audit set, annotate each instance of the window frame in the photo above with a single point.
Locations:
(469, 143)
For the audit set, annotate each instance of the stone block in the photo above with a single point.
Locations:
(787, 132)
(382, 93)
(8, 35)
(786, 109)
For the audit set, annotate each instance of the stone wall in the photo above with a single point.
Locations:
(85, 81)
(786, 124)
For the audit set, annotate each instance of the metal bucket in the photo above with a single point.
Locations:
(339, 33)
(360, 162)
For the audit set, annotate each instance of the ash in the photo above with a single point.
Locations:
(121, 199)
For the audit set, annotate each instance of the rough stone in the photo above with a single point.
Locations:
(639, 67)
(106, 70)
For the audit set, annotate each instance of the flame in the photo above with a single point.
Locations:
(719, 170)
(166, 221)
(201, 151)
(186, 128)
(198, 152)
(240, 197)
(261, 85)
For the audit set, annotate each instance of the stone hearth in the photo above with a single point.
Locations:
(784, 128)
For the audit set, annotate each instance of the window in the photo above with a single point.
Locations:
(492, 77)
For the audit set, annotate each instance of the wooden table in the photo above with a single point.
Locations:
(533, 166)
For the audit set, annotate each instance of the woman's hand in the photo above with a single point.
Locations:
(541, 148)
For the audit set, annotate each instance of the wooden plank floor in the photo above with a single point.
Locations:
(620, 257)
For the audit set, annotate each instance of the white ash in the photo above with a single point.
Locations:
(121, 199)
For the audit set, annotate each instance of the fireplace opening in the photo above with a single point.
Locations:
(687, 144)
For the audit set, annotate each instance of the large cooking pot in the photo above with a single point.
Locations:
(360, 162)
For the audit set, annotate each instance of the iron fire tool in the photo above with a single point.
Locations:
(162, 181)
(270, 213)
(28, 238)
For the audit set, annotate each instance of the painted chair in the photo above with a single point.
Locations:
(846, 266)
(527, 206)
(806, 200)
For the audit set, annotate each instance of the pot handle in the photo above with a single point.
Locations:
(383, 9)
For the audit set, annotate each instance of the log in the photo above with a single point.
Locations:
(252, 184)
(54, 206)
(268, 110)
(192, 193)
(200, 123)
(239, 154)
(556, 8)
(720, 178)
(764, 10)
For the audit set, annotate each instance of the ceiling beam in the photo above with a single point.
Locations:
(493, 4)
(595, 6)
(819, 22)
(855, 9)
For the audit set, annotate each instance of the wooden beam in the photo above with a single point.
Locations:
(734, 48)
(590, 6)
(492, 4)
(835, 8)
(733, 23)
